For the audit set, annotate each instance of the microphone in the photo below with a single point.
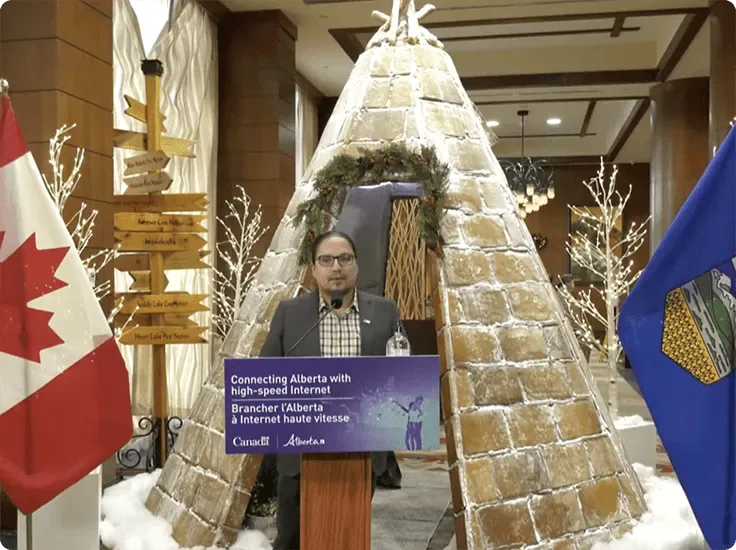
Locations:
(335, 303)
(336, 300)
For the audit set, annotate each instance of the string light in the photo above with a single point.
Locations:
(235, 252)
(600, 249)
(82, 224)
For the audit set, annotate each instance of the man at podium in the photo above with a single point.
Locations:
(335, 321)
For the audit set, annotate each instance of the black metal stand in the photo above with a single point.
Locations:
(142, 453)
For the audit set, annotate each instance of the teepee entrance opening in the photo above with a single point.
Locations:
(394, 258)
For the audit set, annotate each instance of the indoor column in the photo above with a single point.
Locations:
(679, 148)
(257, 114)
(722, 70)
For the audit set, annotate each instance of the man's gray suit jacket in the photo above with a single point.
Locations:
(293, 318)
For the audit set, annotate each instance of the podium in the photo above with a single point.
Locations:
(334, 412)
(335, 505)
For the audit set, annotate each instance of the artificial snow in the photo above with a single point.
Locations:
(128, 525)
(623, 422)
(668, 524)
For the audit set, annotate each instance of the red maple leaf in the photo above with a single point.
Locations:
(25, 275)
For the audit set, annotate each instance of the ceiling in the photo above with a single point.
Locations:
(588, 63)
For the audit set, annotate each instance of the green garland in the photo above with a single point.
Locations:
(392, 163)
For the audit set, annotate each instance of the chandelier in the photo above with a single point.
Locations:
(528, 179)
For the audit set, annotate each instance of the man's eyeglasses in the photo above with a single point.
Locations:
(327, 260)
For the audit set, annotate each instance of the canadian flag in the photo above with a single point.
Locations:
(64, 397)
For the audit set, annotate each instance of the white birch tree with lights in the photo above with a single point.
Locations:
(599, 246)
(81, 225)
(242, 231)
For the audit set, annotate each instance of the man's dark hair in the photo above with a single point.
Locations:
(328, 234)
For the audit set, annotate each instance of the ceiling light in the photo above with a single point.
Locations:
(529, 180)
(553, 121)
(492, 123)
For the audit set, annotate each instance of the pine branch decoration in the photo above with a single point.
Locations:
(395, 162)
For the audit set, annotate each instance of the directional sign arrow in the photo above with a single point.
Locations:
(158, 242)
(151, 336)
(148, 183)
(172, 302)
(145, 163)
(164, 223)
(170, 202)
(137, 110)
(126, 139)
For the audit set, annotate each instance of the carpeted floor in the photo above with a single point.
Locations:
(408, 519)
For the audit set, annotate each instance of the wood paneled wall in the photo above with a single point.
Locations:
(257, 114)
(57, 57)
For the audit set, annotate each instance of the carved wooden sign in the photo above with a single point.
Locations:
(151, 336)
(148, 183)
(145, 163)
(165, 223)
(139, 142)
(172, 302)
(180, 202)
(137, 110)
(131, 241)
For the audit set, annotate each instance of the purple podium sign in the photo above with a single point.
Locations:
(331, 405)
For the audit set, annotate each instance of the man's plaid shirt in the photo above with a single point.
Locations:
(340, 336)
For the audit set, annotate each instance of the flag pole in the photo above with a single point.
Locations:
(29, 531)
(4, 89)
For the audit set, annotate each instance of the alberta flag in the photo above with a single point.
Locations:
(678, 327)
(64, 398)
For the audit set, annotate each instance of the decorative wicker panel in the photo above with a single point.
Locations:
(406, 280)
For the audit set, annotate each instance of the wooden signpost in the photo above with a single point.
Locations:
(156, 232)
